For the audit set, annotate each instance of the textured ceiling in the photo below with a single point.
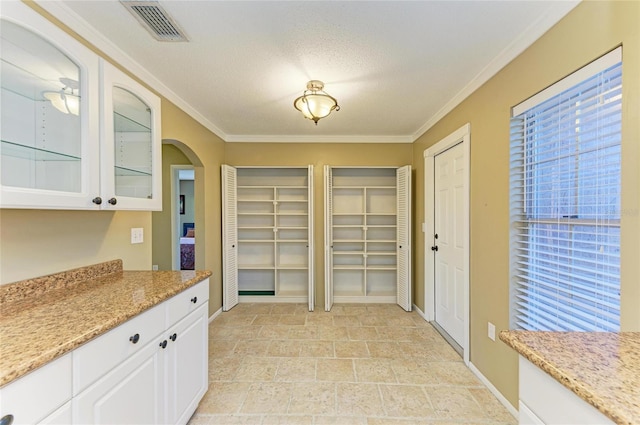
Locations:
(394, 66)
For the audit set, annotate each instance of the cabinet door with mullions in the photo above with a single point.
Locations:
(49, 115)
(131, 156)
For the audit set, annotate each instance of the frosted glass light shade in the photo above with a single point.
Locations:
(315, 103)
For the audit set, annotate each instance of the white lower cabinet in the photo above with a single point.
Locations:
(543, 400)
(161, 382)
(131, 393)
(152, 369)
(187, 366)
(37, 396)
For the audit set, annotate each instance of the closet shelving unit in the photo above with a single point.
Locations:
(367, 222)
(268, 234)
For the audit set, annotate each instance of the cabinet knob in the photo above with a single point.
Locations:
(97, 200)
(173, 337)
(163, 344)
(113, 201)
(135, 338)
(194, 300)
(434, 248)
(6, 420)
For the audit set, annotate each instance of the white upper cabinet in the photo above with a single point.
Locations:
(76, 133)
(131, 148)
(49, 115)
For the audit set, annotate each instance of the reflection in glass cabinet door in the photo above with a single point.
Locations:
(131, 148)
(45, 151)
(133, 145)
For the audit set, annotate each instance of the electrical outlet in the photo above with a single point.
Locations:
(137, 235)
(492, 331)
(154, 267)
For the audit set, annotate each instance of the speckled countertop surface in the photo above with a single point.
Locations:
(602, 368)
(42, 319)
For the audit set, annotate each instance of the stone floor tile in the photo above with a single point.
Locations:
(385, 349)
(250, 348)
(317, 349)
(235, 420)
(273, 332)
(265, 319)
(303, 332)
(453, 373)
(374, 370)
(358, 399)
(335, 333)
(314, 398)
(319, 318)
(287, 420)
(335, 370)
(296, 370)
(491, 406)
(351, 349)
(455, 403)
(407, 401)
(362, 333)
(412, 371)
(284, 348)
(224, 397)
(346, 321)
(223, 369)
(267, 398)
(340, 420)
(221, 348)
(257, 369)
(292, 319)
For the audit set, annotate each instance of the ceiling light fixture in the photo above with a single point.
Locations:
(315, 103)
(65, 100)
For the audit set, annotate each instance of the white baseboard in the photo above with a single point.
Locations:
(494, 390)
(420, 312)
(216, 314)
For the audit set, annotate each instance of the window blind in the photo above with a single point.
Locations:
(565, 203)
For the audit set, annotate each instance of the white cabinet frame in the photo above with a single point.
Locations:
(367, 235)
(264, 231)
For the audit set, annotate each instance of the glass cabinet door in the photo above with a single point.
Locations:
(131, 155)
(46, 124)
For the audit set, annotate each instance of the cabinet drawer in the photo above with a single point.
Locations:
(97, 357)
(187, 301)
(34, 396)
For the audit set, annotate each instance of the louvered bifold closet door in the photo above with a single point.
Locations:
(229, 238)
(403, 222)
(328, 239)
(311, 276)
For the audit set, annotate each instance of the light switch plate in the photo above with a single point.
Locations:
(137, 235)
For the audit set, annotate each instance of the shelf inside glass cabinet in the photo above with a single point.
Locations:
(17, 150)
(123, 171)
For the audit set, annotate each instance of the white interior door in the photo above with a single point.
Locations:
(229, 238)
(449, 241)
(328, 239)
(403, 222)
(310, 228)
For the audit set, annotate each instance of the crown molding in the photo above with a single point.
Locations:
(318, 139)
(515, 48)
(509, 53)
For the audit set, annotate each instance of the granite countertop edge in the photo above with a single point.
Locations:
(574, 384)
(14, 296)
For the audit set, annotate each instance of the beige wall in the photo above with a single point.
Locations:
(318, 155)
(38, 242)
(592, 29)
(205, 151)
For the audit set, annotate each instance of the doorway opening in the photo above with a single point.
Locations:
(183, 225)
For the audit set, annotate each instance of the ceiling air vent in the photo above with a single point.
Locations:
(156, 20)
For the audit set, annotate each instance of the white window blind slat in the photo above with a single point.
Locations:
(565, 203)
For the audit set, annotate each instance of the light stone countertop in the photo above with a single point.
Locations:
(601, 368)
(44, 318)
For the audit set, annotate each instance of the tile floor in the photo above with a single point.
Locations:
(356, 365)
